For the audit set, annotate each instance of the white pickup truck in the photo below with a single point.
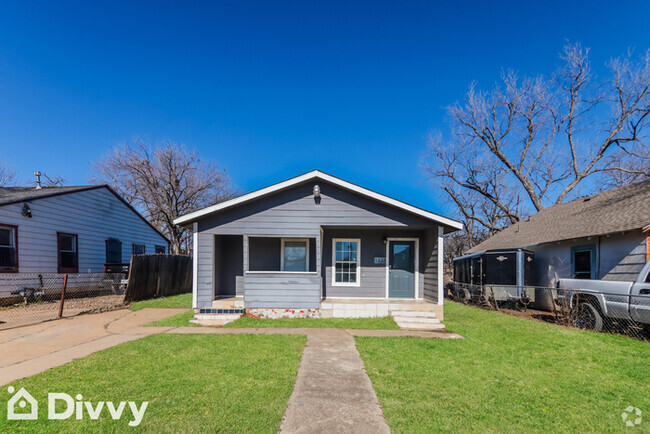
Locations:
(596, 301)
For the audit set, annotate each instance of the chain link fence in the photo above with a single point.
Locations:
(33, 298)
(627, 314)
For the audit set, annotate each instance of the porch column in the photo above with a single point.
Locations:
(245, 249)
(441, 271)
(195, 264)
(319, 250)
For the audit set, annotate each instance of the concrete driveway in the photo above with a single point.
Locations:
(26, 351)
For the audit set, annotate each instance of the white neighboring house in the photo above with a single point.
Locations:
(71, 230)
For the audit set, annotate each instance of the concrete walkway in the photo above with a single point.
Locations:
(333, 392)
(26, 351)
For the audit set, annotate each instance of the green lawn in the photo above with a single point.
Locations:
(175, 301)
(508, 374)
(385, 323)
(194, 383)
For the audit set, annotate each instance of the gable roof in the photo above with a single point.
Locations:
(9, 195)
(314, 175)
(622, 209)
(19, 194)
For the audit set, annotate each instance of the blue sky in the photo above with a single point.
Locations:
(274, 89)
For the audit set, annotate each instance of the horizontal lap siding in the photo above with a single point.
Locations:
(431, 275)
(372, 283)
(205, 274)
(294, 213)
(268, 290)
(94, 215)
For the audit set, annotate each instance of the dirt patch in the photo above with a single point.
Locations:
(14, 316)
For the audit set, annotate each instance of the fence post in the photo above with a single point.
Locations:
(65, 283)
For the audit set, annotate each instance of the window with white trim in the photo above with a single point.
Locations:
(8, 249)
(295, 254)
(346, 253)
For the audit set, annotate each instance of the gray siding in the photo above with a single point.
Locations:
(294, 212)
(373, 276)
(620, 257)
(282, 290)
(431, 265)
(94, 215)
(205, 272)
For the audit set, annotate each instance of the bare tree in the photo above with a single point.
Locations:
(164, 182)
(7, 175)
(529, 143)
(53, 180)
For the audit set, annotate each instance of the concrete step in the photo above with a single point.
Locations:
(228, 303)
(420, 325)
(215, 319)
(416, 319)
(413, 313)
(423, 307)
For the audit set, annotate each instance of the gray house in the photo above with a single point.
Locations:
(604, 236)
(70, 230)
(320, 246)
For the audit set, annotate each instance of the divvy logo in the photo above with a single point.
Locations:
(23, 406)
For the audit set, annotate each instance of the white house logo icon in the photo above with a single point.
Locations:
(21, 399)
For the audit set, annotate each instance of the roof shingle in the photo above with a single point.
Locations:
(18, 194)
(622, 209)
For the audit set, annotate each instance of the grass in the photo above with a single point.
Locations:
(175, 301)
(508, 374)
(194, 383)
(385, 323)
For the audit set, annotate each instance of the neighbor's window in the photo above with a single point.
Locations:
(160, 250)
(8, 249)
(583, 262)
(295, 255)
(138, 249)
(113, 251)
(68, 253)
(346, 253)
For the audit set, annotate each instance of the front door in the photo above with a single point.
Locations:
(401, 269)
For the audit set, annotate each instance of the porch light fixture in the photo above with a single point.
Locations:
(316, 191)
(26, 211)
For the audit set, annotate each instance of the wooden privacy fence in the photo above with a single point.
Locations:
(153, 276)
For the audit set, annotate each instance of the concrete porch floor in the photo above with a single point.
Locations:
(382, 306)
(352, 307)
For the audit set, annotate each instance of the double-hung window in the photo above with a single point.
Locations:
(138, 249)
(68, 253)
(113, 251)
(8, 249)
(295, 254)
(346, 254)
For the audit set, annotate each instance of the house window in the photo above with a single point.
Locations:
(160, 250)
(113, 251)
(138, 249)
(583, 262)
(346, 254)
(8, 249)
(68, 253)
(295, 255)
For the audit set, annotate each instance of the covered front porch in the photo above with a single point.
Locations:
(340, 271)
